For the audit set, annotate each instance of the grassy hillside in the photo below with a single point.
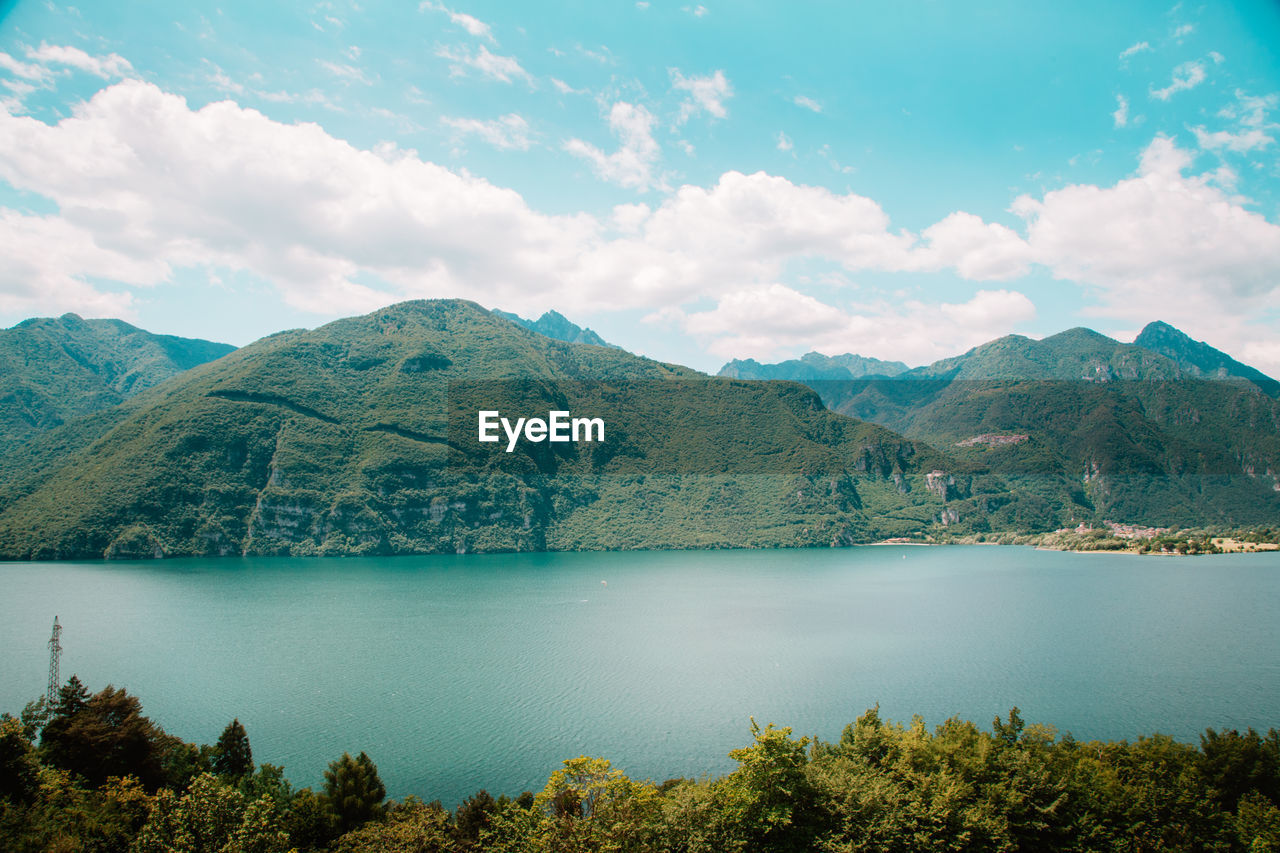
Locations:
(360, 437)
(53, 370)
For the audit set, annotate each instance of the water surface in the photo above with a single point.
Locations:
(456, 673)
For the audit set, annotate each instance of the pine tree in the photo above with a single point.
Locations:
(232, 756)
(354, 791)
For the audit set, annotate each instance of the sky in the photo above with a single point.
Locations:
(696, 182)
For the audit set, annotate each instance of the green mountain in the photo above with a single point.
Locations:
(362, 437)
(1199, 359)
(1086, 429)
(54, 370)
(556, 326)
(813, 366)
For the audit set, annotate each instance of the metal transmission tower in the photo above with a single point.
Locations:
(55, 652)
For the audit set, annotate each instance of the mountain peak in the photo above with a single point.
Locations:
(1199, 358)
(555, 325)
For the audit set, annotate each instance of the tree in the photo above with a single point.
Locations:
(18, 768)
(232, 756)
(107, 735)
(211, 817)
(472, 817)
(589, 805)
(769, 794)
(354, 791)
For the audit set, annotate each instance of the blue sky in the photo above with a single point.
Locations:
(695, 181)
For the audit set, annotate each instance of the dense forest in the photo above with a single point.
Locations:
(90, 772)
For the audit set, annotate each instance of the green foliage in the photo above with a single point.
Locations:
(353, 790)
(883, 786)
(19, 769)
(211, 817)
(590, 805)
(53, 370)
(105, 735)
(232, 756)
(410, 827)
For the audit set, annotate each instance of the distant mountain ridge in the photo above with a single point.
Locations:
(57, 369)
(813, 366)
(1096, 428)
(556, 326)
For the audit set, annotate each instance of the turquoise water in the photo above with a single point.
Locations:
(456, 673)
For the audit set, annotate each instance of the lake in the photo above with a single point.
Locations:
(456, 673)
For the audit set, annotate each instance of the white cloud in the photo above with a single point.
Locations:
(504, 68)
(808, 103)
(1250, 113)
(697, 11)
(145, 185)
(508, 132)
(1186, 76)
(29, 71)
(46, 259)
(565, 89)
(1183, 31)
(975, 249)
(784, 142)
(632, 164)
(774, 321)
(471, 24)
(1246, 140)
(1159, 242)
(347, 73)
(106, 67)
(1134, 49)
(706, 94)
(1121, 115)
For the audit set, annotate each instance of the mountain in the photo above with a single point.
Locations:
(1085, 428)
(813, 366)
(53, 370)
(1199, 359)
(556, 326)
(361, 437)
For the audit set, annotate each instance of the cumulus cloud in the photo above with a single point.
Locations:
(1159, 239)
(706, 94)
(975, 249)
(808, 103)
(774, 321)
(145, 185)
(784, 142)
(510, 131)
(632, 164)
(504, 68)
(1186, 76)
